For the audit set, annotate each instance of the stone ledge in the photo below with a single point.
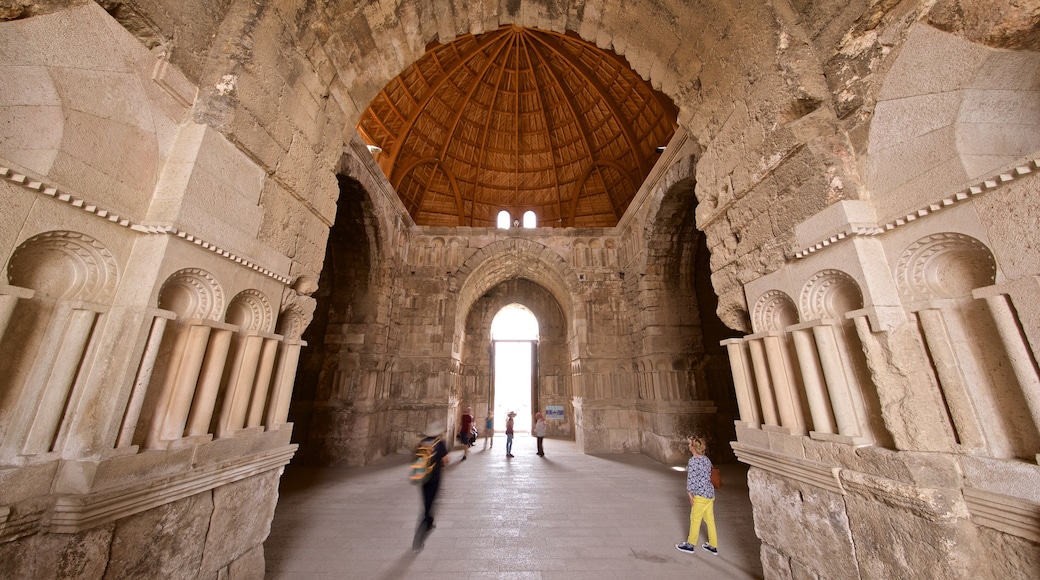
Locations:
(1010, 515)
(45, 189)
(75, 513)
(979, 186)
(803, 470)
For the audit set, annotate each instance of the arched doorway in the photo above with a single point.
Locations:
(514, 348)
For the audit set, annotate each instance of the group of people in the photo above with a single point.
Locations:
(468, 433)
(701, 482)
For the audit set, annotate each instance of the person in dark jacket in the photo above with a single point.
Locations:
(430, 487)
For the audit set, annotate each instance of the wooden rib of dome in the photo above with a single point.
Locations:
(517, 119)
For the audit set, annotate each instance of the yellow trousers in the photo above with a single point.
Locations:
(703, 509)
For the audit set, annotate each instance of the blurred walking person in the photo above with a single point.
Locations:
(431, 484)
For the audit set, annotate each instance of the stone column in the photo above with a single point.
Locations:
(59, 363)
(282, 383)
(812, 377)
(936, 319)
(743, 381)
(212, 373)
(262, 384)
(243, 376)
(1022, 362)
(142, 379)
(179, 386)
(844, 401)
(786, 384)
(763, 380)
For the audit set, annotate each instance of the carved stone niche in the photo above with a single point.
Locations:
(830, 294)
(251, 311)
(945, 265)
(192, 293)
(64, 266)
(774, 310)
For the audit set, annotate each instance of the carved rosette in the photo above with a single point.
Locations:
(251, 311)
(192, 293)
(774, 310)
(64, 266)
(830, 294)
(946, 265)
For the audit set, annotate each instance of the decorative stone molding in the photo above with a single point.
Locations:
(989, 183)
(830, 294)
(65, 266)
(1007, 514)
(774, 310)
(75, 513)
(806, 471)
(945, 265)
(53, 192)
(192, 293)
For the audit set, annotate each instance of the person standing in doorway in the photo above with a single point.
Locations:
(539, 431)
(432, 484)
(466, 431)
(509, 434)
(489, 430)
(702, 499)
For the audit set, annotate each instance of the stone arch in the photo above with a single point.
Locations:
(674, 191)
(192, 293)
(774, 311)
(541, 265)
(830, 294)
(944, 265)
(498, 262)
(64, 266)
(250, 310)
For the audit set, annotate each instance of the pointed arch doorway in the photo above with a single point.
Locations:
(514, 358)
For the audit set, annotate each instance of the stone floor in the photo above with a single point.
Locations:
(565, 515)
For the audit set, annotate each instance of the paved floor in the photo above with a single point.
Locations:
(563, 516)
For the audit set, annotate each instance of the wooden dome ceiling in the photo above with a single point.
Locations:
(518, 119)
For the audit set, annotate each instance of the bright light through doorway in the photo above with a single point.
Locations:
(513, 331)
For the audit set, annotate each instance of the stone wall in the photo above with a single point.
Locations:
(150, 321)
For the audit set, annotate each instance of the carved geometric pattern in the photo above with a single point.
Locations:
(830, 294)
(250, 310)
(192, 293)
(945, 265)
(774, 311)
(64, 266)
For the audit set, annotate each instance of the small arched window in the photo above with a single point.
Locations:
(530, 221)
(503, 220)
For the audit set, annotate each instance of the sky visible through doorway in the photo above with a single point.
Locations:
(513, 330)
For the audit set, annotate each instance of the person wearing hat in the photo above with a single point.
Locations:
(509, 434)
(435, 436)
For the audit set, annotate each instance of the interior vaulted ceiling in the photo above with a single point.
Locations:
(518, 119)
